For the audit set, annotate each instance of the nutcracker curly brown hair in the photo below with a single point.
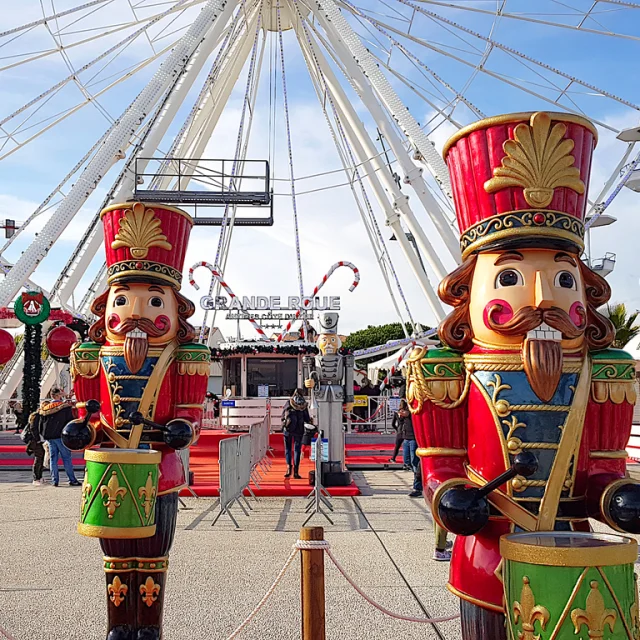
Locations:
(455, 330)
(186, 308)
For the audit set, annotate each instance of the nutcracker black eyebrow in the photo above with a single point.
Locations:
(565, 257)
(156, 288)
(509, 256)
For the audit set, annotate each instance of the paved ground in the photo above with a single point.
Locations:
(51, 581)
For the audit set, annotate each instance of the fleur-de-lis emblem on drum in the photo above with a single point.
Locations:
(148, 492)
(595, 616)
(86, 492)
(117, 591)
(150, 591)
(140, 230)
(539, 160)
(529, 612)
(112, 491)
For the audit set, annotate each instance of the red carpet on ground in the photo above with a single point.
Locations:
(203, 463)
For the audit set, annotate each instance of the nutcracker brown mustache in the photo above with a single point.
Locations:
(136, 348)
(542, 359)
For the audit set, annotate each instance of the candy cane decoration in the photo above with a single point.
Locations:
(337, 265)
(215, 274)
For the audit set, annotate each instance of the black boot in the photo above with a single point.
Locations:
(150, 593)
(296, 475)
(121, 598)
(288, 474)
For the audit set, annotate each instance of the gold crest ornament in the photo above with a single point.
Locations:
(529, 612)
(140, 230)
(112, 491)
(595, 616)
(149, 591)
(117, 591)
(149, 493)
(539, 160)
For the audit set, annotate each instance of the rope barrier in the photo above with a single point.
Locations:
(324, 545)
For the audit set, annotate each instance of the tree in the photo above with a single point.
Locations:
(624, 324)
(375, 335)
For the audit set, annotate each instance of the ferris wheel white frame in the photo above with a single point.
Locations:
(141, 128)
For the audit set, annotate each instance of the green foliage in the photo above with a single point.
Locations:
(624, 323)
(32, 368)
(375, 335)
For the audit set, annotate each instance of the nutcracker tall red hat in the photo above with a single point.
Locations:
(145, 243)
(521, 180)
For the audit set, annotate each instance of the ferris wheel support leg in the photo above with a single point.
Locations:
(366, 153)
(366, 74)
(107, 155)
(367, 96)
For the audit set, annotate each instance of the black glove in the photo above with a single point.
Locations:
(178, 434)
(462, 511)
(624, 508)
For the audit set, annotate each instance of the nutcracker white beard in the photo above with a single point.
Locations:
(136, 341)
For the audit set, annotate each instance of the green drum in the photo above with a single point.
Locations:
(119, 493)
(570, 585)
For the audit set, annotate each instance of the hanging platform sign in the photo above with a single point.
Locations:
(32, 308)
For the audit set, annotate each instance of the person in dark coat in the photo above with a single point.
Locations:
(35, 446)
(410, 447)
(21, 418)
(55, 416)
(294, 416)
(395, 424)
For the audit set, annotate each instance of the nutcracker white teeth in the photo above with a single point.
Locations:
(544, 332)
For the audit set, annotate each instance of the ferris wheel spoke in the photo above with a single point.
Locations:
(515, 16)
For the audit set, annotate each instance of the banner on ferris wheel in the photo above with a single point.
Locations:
(270, 303)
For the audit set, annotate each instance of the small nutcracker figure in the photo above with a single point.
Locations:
(149, 378)
(527, 365)
(330, 374)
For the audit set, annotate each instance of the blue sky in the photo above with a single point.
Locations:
(263, 261)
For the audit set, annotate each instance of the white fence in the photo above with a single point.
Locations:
(242, 460)
(7, 417)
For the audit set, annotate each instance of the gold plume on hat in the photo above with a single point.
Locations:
(140, 230)
(539, 160)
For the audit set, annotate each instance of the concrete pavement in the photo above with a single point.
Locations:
(51, 580)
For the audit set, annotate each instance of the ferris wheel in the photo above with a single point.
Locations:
(121, 99)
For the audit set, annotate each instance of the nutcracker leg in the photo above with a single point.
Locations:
(481, 624)
(151, 575)
(121, 598)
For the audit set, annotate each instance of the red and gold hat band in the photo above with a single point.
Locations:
(520, 227)
(137, 269)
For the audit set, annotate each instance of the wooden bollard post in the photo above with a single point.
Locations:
(312, 586)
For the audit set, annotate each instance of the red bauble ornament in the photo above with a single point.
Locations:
(7, 346)
(60, 340)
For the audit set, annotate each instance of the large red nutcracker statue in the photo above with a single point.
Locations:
(526, 368)
(150, 379)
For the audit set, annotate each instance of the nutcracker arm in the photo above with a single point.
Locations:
(177, 433)
(349, 362)
(80, 434)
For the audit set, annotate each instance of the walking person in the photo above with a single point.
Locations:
(32, 437)
(294, 416)
(54, 416)
(399, 437)
(21, 418)
(410, 447)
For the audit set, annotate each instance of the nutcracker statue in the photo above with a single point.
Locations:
(523, 417)
(140, 384)
(330, 376)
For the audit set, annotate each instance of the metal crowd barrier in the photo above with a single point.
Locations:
(242, 461)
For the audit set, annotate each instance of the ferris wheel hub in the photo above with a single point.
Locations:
(287, 17)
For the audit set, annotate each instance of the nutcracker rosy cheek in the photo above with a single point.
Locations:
(578, 314)
(163, 323)
(114, 320)
(500, 312)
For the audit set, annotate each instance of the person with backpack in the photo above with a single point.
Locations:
(294, 416)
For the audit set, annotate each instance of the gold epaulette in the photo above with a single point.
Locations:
(193, 359)
(85, 360)
(613, 375)
(436, 375)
